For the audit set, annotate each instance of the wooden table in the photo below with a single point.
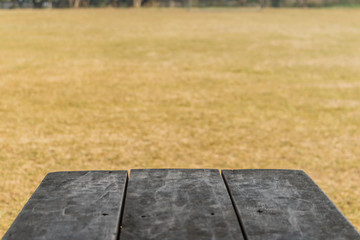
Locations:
(180, 204)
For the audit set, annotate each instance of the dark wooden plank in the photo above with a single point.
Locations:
(73, 205)
(285, 204)
(173, 204)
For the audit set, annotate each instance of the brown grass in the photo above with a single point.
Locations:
(121, 89)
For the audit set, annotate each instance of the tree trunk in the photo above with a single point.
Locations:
(76, 3)
(14, 4)
(137, 3)
(302, 3)
(85, 3)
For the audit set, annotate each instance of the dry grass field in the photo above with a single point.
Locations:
(158, 88)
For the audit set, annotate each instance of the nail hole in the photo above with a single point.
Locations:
(143, 216)
(105, 214)
(212, 213)
(260, 210)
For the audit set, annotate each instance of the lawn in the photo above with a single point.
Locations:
(159, 88)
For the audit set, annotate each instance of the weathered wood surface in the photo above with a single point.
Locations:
(184, 204)
(285, 204)
(73, 206)
(178, 204)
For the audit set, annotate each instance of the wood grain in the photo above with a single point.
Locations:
(73, 206)
(285, 204)
(178, 204)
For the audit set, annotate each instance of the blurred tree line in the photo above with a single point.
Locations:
(173, 3)
(64, 3)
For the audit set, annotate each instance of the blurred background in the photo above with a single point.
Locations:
(200, 84)
(10, 4)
